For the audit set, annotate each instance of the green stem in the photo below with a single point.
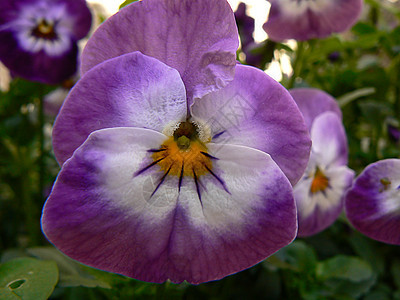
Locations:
(41, 145)
(297, 64)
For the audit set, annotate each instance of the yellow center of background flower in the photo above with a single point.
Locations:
(320, 182)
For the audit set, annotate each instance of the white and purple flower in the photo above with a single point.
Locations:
(308, 19)
(177, 164)
(320, 192)
(373, 202)
(38, 37)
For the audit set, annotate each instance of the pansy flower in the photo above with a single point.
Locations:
(38, 37)
(245, 25)
(173, 168)
(308, 19)
(373, 202)
(319, 193)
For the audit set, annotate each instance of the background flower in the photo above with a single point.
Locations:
(304, 19)
(36, 36)
(372, 203)
(319, 193)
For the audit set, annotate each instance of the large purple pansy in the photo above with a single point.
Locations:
(307, 19)
(155, 188)
(373, 202)
(320, 192)
(38, 37)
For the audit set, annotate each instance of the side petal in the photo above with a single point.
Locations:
(318, 211)
(104, 213)
(198, 38)
(329, 140)
(256, 111)
(373, 203)
(132, 90)
(304, 20)
(313, 102)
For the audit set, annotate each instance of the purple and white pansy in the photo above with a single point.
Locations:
(308, 19)
(36, 35)
(373, 202)
(177, 164)
(320, 192)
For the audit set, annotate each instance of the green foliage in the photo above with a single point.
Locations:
(28, 279)
(126, 3)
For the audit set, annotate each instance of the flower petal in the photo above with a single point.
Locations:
(198, 38)
(131, 90)
(103, 213)
(372, 204)
(312, 102)
(318, 211)
(329, 140)
(256, 111)
(303, 19)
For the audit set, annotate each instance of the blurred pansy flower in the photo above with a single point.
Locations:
(38, 37)
(245, 25)
(373, 202)
(54, 100)
(158, 184)
(320, 192)
(308, 19)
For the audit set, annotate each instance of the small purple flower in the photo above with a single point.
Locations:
(308, 19)
(166, 173)
(38, 37)
(373, 202)
(319, 193)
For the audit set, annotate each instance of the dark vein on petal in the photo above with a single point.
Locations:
(156, 150)
(218, 134)
(181, 177)
(208, 155)
(196, 181)
(149, 166)
(219, 179)
(162, 180)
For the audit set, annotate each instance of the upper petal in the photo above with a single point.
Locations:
(131, 90)
(198, 38)
(372, 204)
(312, 102)
(256, 111)
(329, 140)
(303, 19)
(103, 213)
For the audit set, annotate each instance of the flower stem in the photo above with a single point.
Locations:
(297, 64)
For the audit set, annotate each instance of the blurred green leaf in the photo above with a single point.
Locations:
(298, 255)
(127, 2)
(344, 267)
(27, 278)
(71, 272)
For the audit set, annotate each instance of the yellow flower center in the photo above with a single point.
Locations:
(44, 30)
(320, 182)
(183, 157)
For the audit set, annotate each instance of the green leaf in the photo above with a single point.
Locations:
(344, 267)
(71, 273)
(28, 279)
(127, 2)
(299, 255)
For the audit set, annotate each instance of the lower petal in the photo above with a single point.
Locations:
(106, 213)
